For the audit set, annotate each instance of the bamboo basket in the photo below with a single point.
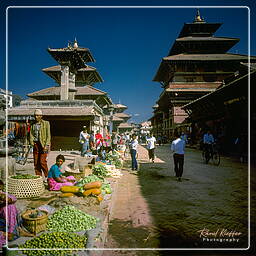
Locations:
(26, 188)
(87, 170)
(35, 225)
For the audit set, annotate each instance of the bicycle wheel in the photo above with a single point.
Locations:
(216, 158)
(204, 157)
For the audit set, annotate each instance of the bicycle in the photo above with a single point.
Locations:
(21, 152)
(212, 154)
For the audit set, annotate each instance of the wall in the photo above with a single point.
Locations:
(65, 134)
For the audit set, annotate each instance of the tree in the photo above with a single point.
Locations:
(16, 99)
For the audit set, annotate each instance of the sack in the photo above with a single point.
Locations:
(81, 142)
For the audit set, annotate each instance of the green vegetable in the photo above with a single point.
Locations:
(25, 176)
(100, 170)
(117, 163)
(54, 240)
(112, 156)
(88, 179)
(106, 188)
(70, 219)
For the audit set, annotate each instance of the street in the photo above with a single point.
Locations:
(208, 209)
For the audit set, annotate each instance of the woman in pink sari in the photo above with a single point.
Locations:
(55, 178)
(9, 218)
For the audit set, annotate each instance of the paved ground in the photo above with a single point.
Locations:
(153, 210)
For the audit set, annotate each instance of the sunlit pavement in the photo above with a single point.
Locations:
(208, 209)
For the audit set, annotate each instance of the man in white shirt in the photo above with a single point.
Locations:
(133, 151)
(178, 148)
(151, 144)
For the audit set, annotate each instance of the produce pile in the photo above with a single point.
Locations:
(70, 219)
(100, 170)
(114, 158)
(106, 188)
(115, 173)
(88, 179)
(54, 240)
(25, 176)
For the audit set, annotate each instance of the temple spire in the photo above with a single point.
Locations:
(75, 43)
(198, 18)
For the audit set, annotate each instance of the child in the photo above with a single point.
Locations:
(55, 178)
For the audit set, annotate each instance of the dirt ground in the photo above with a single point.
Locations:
(154, 214)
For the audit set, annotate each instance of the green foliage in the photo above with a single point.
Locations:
(100, 170)
(25, 176)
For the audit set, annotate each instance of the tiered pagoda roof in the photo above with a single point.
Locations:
(196, 44)
(75, 58)
(86, 75)
(55, 91)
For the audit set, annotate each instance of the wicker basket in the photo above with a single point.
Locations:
(78, 175)
(35, 225)
(26, 188)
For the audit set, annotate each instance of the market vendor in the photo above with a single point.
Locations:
(13, 223)
(55, 177)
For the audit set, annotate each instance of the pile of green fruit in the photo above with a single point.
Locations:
(90, 178)
(25, 176)
(100, 170)
(106, 188)
(70, 219)
(117, 163)
(54, 240)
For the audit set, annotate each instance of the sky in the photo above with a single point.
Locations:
(127, 43)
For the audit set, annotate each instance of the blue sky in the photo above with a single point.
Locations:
(127, 43)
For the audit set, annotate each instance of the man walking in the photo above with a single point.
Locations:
(178, 147)
(40, 139)
(133, 151)
(151, 144)
(84, 137)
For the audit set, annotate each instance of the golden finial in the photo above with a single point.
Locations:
(198, 17)
(75, 44)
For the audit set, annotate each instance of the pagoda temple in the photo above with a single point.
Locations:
(119, 119)
(197, 64)
(72, 103)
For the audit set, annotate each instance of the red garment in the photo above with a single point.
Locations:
(98, 136)
(40, 161)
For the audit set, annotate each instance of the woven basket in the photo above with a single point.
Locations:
(78, 175)
(26, 188)
(35, 225)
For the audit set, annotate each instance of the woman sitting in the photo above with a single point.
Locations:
(55, 178)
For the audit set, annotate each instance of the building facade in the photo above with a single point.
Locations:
(70, 105)
(197, 64)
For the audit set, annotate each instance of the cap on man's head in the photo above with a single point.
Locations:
(38, 112)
